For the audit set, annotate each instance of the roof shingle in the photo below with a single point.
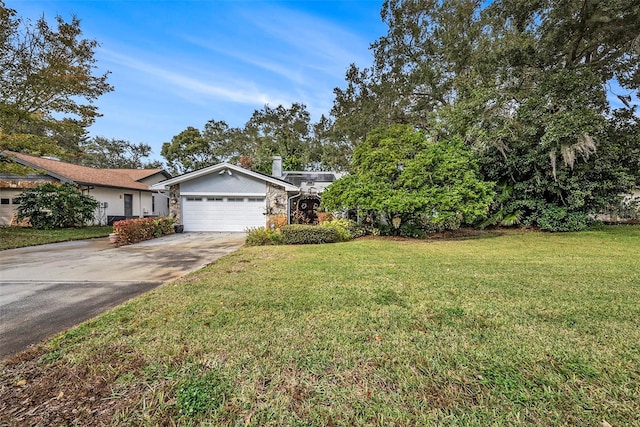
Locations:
(121, 178)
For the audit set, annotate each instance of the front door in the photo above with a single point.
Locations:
(128, 205)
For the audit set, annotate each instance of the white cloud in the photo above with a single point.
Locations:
(198, 89)
(331, 46)
(298, 47)
(278, 67)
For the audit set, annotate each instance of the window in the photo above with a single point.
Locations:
(15, 201)
(214, 199)
(4, 201)
(194, 199)
(255, 199)
(235, 199)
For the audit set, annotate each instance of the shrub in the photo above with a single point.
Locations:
(555, 218)
(345, 228)
(56, 206)
(262, 237)
(300, 234)
(442, 223)
(139, 229)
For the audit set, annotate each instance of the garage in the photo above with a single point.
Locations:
(227, 198)
(222, 213)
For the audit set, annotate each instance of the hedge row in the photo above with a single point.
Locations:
(335, 230)
(299, 234)
(139, 229)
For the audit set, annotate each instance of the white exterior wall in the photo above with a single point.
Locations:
(223, 184)
(161, 204)
(114, 197)
(8, 210)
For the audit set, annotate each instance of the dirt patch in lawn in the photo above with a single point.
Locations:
(37, 391)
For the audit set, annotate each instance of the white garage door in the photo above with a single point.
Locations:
(228, 213)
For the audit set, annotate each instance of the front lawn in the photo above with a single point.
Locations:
(18, 237)
(520, 328)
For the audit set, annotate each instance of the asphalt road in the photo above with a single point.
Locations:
(50, 288)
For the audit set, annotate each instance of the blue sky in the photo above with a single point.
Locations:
(177, 63)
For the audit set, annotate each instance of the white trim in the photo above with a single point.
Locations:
(204, 194)
(216, 168)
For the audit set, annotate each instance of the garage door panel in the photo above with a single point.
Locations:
(232, 213)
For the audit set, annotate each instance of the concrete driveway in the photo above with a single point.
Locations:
(47, 289)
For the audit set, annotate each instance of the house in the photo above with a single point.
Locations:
(122, 193)
(628, 211)
(226, 197)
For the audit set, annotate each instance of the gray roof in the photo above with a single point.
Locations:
(298, 177)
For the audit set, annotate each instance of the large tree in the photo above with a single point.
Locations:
(100, 152)
(188, 151)
(284, 132)
(47, 84)
(524, 83)
(280, 131)
(398, 172)
(334, 148)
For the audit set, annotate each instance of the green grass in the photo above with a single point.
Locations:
(516, 329)
(18, 237)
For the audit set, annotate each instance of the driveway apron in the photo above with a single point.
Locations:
(47, 289)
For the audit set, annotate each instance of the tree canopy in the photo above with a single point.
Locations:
(188, 151)
(525, 84)
(110, 153)
(428, 185)
(47, 85)
(270, 131)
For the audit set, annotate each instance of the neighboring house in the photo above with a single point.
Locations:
(627, 212)
(227, 197)
(122, 193)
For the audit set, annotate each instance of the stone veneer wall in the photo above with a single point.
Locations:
(277, 211)
(175, 205)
